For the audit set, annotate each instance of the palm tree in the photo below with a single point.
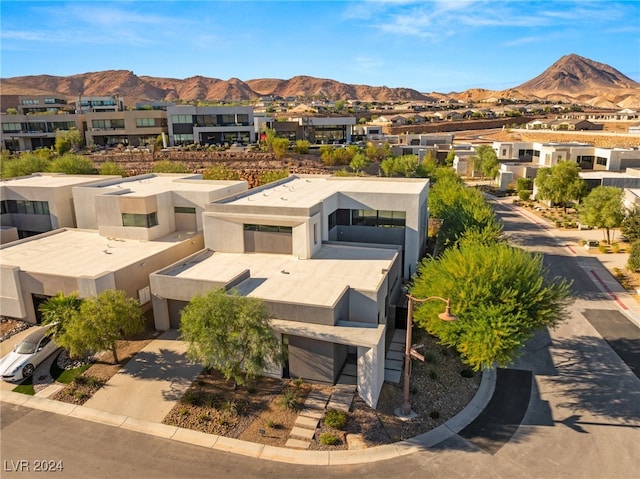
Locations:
(58, 310)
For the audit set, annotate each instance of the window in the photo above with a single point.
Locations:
(31, 102)
(107, 124)
(315, 233)
(140, 220)
(25, 207)
(184, 209)
(12, 127)
(183, 138)
(188, 119)
(268, 228)
(377, 218)
(601, 161)
(145, 122)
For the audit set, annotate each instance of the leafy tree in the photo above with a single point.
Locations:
(230, 333)
(485, 161)
(523, 184)
(279, 147)
(73, 165)
(603, 208)
(58, 311)
(220, 172)
(631, 227)
(111, 168)
(633, 263)
(168, 166)
(68, 140)
(499, 296)
(560, 184)
(26, 164)
(359, 162)
(377, 153)
(101, 322)
(450, 157)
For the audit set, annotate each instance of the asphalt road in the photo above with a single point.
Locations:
(582, 420)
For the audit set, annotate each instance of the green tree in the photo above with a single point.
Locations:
(68, 140)
(450, 157)
(633, 263)
(168, 166)
(485, 161)
(58, 311)
(524, 184)
(24, 165)
(359, 162)
(101, 322)
(560, 184)
(220, 172)
(631, 227)
(71, 164)
(602, 208)
(111, 168)
(500, 298)
(231, 334)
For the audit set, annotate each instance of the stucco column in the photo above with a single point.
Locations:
(160, 313)
(371, 372)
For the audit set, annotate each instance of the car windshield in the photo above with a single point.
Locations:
(26, 348)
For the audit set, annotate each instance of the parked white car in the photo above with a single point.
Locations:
(28, 354)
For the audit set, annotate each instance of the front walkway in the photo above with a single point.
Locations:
(151, 383)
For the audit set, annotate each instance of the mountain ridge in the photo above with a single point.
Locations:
(572, 78)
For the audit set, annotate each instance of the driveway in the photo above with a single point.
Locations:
(151, 383)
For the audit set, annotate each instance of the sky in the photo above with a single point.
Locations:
(441, 46)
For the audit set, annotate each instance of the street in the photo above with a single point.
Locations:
(582, 421)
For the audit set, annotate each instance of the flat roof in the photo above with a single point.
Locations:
(53, 181)
(600, 174)
(320, 280)
(73, 252)
(148, 185)
(307, 191)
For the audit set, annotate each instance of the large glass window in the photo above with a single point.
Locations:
(25, 207)
(108, 124)
(180, 138)
(377, 218)
(12, 127)
(188, 119)
(145, 122)
(601, 161)
(140, 220)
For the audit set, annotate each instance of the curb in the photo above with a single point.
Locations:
(265, 452)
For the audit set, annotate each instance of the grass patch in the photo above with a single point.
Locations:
(66, 376)
(25, 387)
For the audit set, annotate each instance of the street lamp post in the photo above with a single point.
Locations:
(405, 409)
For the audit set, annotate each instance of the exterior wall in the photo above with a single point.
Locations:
(8, 234)
(371, 373)
(11, 298)
(267, 242)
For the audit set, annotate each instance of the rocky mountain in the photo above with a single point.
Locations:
(571, 79)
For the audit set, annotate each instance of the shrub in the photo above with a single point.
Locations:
(230, 407)
(184, 412)
(270, 423)
(289, 399)
(633, 263)
(434, 415)
(603, 248)
(467, 373)
(328, 439)
(615, 247)
(190, 397)
(297, 382)
(336, 419)
(524, 195)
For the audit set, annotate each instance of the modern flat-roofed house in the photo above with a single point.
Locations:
(150, 206)
(41, 202)
(130, 228)
(210, 124)
(24, 132)
(326, 255)
(129, 128)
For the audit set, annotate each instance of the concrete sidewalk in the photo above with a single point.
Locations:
(151, 383)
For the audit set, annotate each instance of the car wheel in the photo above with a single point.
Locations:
(27, 370)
